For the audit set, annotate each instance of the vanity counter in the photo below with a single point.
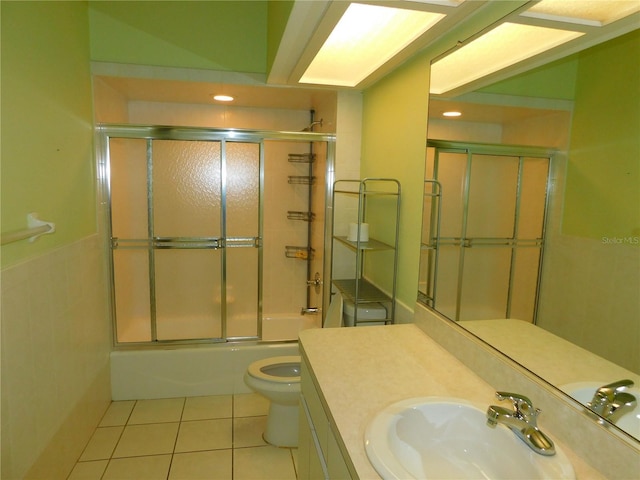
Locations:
(359, 371)
(553, 358)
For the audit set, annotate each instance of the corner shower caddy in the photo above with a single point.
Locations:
(302, 252)
(357, 288)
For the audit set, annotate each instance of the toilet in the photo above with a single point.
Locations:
(278, 379)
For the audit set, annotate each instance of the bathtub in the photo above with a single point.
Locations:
(210, 369)
(166, 372)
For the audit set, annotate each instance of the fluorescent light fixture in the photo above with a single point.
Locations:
(505, 45)
(452, 114)
(365, 38)
(223, 98)
(586, 12)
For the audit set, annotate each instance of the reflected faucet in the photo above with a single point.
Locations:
(522, 420)
(611, 401)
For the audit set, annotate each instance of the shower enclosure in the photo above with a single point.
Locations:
(202, 223)
(483, 230)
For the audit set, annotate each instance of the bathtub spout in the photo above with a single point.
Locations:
(309, 311)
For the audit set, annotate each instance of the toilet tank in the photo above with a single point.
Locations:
(366, 311)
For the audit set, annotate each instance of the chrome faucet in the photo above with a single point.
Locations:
(611, 401)
(522, 420)
(309, 311)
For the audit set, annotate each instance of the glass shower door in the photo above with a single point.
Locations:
(488, 230)
(185, 224)
(491, 231)
(186, 204)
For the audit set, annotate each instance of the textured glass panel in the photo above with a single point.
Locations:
(242, 292)
(451, 171)
(485, 283)
(284, 279)
(533, 197)
(446, 293)
(128, 184)
(186, 188)
(131, 279)
(188, 294)
(492, 196)
(525, 283)
(243, 189)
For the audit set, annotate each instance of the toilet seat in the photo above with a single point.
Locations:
(277, 369)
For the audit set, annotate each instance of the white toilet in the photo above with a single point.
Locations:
(278, 379)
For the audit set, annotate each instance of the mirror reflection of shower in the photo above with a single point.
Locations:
(203, 223)
(483, 231)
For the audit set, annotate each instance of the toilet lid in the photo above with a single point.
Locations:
(284, 369)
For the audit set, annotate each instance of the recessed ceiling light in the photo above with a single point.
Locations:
(452, 114)
(364, 39)
(223, 98)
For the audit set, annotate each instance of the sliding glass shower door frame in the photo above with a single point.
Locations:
(150, 134)
(463, 242)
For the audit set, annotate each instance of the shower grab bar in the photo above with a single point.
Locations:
(35, 228)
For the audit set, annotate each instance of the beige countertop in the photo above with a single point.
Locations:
(556, 360)
(361, 370)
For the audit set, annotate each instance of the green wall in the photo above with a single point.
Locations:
(214, 35)
(556, 80)
(603, 179)
(394, 137)
(47, 129)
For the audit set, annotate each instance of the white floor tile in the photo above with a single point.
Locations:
(117, 413)
(248, 431)
(209, 437)
(204, 408)
(102, 444)
(157, 411)
(138, 468)
(263, 463)
(154, 439)
(88, 470)
(250, 405)
(204, 435)
(211, 465)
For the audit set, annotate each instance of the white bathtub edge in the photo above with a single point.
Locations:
(187, 371)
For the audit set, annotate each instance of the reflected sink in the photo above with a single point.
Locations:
(447, 438)
(583, 392)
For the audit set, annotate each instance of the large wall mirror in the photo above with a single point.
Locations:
(564, 299)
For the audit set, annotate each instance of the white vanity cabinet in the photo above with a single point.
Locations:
(319, 455)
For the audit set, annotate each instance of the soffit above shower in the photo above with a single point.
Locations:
(189, 92)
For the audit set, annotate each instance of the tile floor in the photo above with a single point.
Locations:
(216, 437)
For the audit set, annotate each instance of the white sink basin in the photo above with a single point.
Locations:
(583, 392)
(447, 438)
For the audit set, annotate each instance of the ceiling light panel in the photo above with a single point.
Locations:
(364, 39)
(586, 12)
(505, 45)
